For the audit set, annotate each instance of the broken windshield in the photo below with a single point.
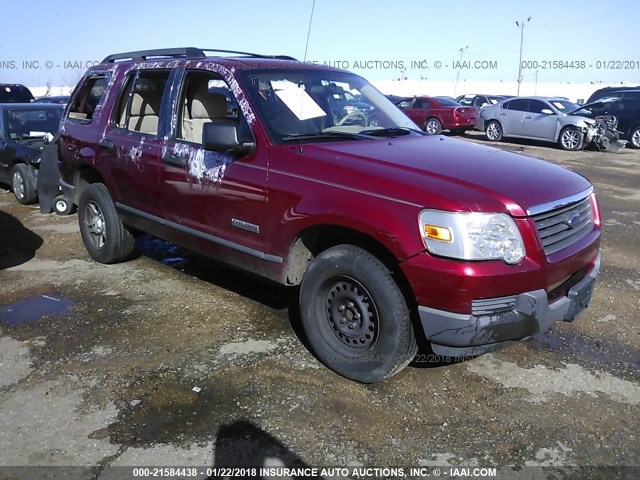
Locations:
(317, 105)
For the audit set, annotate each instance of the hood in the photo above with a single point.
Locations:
(444, 173)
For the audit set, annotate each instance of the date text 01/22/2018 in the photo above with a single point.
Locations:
(580, 64)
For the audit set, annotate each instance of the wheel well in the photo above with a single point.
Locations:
(85, 177)
(317, 239)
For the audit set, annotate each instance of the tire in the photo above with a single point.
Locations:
(62, 206)
(634, 137)
(571, 139)
(21, 186)
(493, 130)
(433, 126)
(355, 317)
(107, 240)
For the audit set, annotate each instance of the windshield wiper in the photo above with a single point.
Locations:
(322, 135)
(390, 132)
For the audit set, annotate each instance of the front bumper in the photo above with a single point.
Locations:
(454, 334)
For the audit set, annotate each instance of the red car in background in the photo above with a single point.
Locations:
(434, 114)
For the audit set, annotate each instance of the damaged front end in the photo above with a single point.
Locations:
(606, 137)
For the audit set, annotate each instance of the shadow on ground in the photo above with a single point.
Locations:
(18, 244)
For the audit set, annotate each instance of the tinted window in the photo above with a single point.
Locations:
(536, 106)
(422, 104)
(88, 97)
(519, 104)
(15, 94)
(447, 102)
(140, 102)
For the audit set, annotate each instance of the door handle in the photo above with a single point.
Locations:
(175, 160)
(528, 118)
(108, 144)
(502, 114)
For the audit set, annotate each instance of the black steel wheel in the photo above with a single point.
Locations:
(355, 316)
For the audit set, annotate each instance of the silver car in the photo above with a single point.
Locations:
(538, 118)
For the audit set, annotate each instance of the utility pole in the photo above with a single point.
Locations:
(521, 25)
(462, 50)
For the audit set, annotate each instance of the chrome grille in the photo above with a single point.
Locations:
(564, 226)
(492, 306)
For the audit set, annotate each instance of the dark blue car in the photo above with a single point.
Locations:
(24, 128)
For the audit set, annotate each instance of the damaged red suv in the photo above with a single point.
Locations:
(391, 235)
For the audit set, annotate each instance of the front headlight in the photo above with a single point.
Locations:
(471, 236)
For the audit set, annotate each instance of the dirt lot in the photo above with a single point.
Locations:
(110, 382)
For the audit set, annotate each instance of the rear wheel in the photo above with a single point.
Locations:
(571, 138)
(107, 240)
(634, 137)
(22, 188)
(433, 126)
(355, 316)
(494, 131)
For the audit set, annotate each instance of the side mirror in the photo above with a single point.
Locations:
(547, 111)
(223, 137)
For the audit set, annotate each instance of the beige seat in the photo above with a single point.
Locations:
(202, 107)
(144, 114)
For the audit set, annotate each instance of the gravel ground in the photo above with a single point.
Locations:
(176, 361)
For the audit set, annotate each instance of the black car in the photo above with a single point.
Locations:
(57, 99)
(626, 109)
(14, 93)
(23, 130)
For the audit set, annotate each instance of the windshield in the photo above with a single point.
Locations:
(320, 105)
(33, 123)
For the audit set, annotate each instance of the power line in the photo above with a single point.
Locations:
(306, 47)
(589, 20)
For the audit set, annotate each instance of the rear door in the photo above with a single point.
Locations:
(130, 144)
(419, 111)
(512, 114)
(540, 125)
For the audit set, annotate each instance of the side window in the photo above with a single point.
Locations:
(88, 98)
(467, 100)
(140, 101)
(536, 106)
(422, 104)
(406, 104)
(518, 104)
(205, 98)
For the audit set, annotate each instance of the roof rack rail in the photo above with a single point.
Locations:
(186, 52)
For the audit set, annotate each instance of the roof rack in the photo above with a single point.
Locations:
(187, 52)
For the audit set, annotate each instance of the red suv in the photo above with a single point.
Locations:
(390, 235)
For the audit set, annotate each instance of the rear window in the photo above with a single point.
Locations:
(447, 102)
(88, 97)
(15, 94)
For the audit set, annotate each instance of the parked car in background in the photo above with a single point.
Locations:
(608, 92)
(548, 119)
(15, 93)
(57, 99)
(480, 100)
(23, 128)
(434, 114)
(624, 105)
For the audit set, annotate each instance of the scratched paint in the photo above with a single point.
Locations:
(203, 164)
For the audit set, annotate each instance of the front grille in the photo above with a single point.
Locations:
(492, 306)
(564, 226)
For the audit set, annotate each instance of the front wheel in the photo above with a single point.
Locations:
(107, 240)
(354, 315)
(22, 188)
(433, 126)
(571, 138)
(634, 137)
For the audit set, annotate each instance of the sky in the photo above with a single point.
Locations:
(589, 40)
